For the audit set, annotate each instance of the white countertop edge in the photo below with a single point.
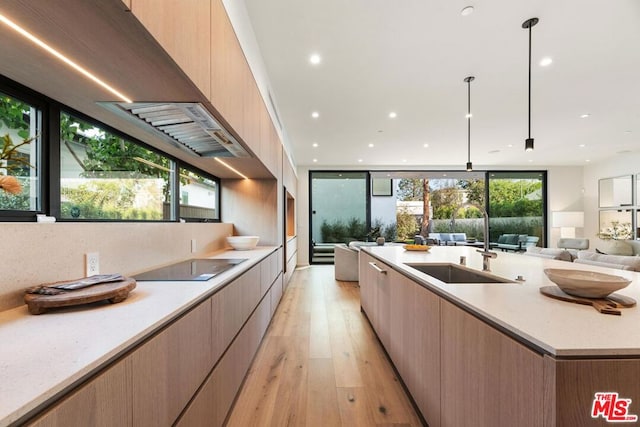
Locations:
(38, 399)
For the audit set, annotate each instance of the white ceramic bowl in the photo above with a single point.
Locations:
(243, 243)
(586, 284)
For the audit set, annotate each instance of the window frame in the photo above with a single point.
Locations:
(49, 161)
(24, 94)
(191, 168)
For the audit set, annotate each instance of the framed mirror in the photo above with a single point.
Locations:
(616, 224)
(613, 192)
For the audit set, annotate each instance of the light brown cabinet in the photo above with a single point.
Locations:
(212, 404)
(415, 342)
(169, 368)
(209, 348)
(488, 379)
(104, 401)
(374, 285)
(458, 369)
(184, 32)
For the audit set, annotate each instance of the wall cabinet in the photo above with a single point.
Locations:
(206, 351)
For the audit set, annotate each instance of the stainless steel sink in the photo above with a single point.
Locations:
(453, 273)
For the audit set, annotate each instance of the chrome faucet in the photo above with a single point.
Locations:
(486, 253)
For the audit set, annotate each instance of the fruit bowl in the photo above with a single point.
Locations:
(243, 243)
(586, 284)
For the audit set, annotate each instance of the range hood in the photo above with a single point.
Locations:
(186, 125)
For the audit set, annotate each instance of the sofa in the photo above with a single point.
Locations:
(515, 242)
(448, 238)
(346, 263)
(621, 255)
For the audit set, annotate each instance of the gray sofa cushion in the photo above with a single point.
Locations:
(573, 243)
(559, 254)
(632, 262)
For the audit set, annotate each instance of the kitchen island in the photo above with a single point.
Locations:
(501, 353)
(174, 352)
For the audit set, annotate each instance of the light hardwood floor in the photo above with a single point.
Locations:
(320, 363)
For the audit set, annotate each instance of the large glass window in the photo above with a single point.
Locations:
(20, 132)
(103, 176)
(198, 196)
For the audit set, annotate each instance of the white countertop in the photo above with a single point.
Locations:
(557, 327)
(41, 356)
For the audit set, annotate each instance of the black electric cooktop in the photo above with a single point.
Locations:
(198, 270)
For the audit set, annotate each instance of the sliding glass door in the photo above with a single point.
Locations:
(339, 209)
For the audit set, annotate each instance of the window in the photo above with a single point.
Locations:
(20, 133)
(198, 196)
(517, 204)
(103, 176)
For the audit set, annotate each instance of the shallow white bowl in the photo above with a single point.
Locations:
(587, 284)
(243, 243)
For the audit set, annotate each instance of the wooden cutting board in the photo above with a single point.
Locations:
(114, 292)
(608, 305)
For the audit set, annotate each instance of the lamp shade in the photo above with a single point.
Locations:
(568, 219)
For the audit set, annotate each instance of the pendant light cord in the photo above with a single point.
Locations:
(469, 120)
(530, 81)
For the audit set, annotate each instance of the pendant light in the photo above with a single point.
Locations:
(468, 80)
(528, 143)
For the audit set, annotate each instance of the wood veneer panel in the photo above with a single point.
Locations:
(577, 381)
(104, 401)
(184, 31)
(487, 378)
(169, 368)
(415, 343)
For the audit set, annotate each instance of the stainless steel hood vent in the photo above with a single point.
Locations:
(187, 125)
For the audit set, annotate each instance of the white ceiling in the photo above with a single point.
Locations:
(411, 57)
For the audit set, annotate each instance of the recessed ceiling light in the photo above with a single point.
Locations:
(510, 145)
(359, 160)
(404, 160)
(587, 160)
(370, 145)
(581, 145)
(388, 175)
(468, 116)
(467, 11)
(315, 144)
(425, 145)
(584, 116)
(315, 160)
(315, 59)
(315, 114)
(444, 174)
(530, 160)
(544, 62)
(392, 115)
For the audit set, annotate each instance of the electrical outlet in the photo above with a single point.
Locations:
(193, 246)
(92, 264)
